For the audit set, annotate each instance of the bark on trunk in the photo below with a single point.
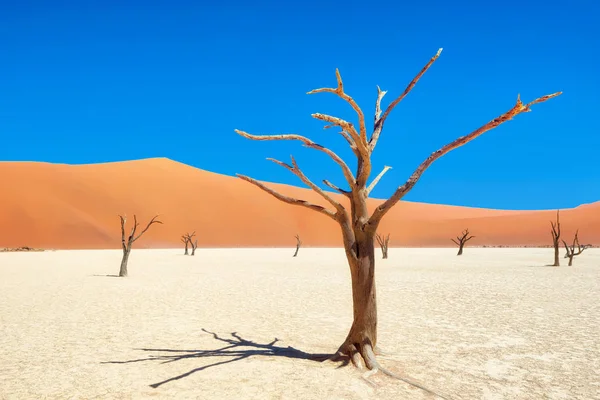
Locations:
(186, 249)
(193, 250)
(556, 258)
(123, 270)
(362, 338)
(460, 249)
(571, 261)
(297, 248)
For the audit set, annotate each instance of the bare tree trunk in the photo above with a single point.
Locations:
(362, 338)
(124, 260)
(556, 238)
(460, 249)
(194, 247)
(571, 260)
(298, 244)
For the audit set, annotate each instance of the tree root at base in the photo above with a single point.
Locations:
(357, 353)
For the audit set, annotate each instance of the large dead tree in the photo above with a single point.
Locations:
(127, 242)
(358, 228)
(462, 240)
(383, 243)
(187, 241)
(556, 238)
(571, 250)
(298, 244)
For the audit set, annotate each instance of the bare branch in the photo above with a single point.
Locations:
(340, 92)
(350, 141)
(295, 169)
(377, 178)
(556, 226)
(154, 220)
(289, 200)
(380, 94)
(457, 243)
(380, 121)
(337, 189)
(517, 109)
(133, 229)
(308, 143)
(123, 241)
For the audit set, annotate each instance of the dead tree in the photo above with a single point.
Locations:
(383, 243)
(298, 244)
(187, 240)
(571, 250)
(462, 240)
(556, 238)
(358, 228)
(126, 243)
(194, 246)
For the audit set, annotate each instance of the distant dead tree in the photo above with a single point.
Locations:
(187, 240)
(571, 250)
(383, 243)
(556, 238)
(126, 243)
(298, 244)
(194, 246)
(358, 228)
(462, 240)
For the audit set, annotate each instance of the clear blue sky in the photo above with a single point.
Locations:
(96, 81)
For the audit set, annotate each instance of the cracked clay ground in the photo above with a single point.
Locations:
(240, 324)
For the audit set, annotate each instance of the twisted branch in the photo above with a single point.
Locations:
(339, 90)
(517, 109)
(380, 121)
(289, 200)
(308, 143)
(294, 169)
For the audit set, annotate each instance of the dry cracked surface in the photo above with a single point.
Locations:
(241, 323)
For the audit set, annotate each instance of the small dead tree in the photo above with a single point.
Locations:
(383, 243)
(127, 242)
(571, 250)
(556, 238)
(462, 240)
(298, 244)
(187, 240)
(357, 225)
(194, 246)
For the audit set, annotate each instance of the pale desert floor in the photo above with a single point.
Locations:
(492, 324)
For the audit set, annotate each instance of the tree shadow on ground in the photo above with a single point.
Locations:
(110, 276)
(236, 349)
(542, 266)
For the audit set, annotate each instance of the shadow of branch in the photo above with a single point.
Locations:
(236, 349)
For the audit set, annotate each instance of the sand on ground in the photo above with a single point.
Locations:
(491, 324)
(58, 206)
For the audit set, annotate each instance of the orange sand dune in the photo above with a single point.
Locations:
(76, 206)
